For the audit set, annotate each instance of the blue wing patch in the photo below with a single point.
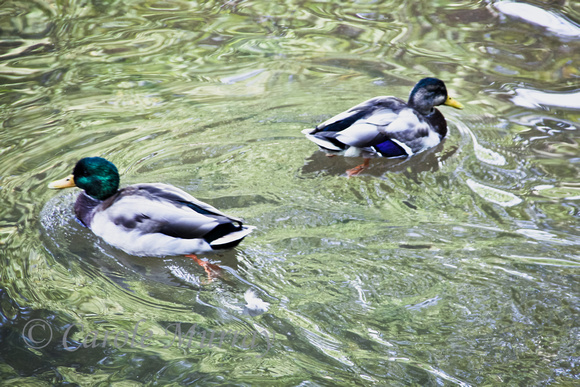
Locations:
(390, 148)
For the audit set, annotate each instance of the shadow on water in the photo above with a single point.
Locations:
(428, 161)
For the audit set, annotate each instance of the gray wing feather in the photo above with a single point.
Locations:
(165, 209)
(363, 110)
(361, 135)
(338, 118)
(174, 194)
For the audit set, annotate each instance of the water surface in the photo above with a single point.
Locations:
(458, 266)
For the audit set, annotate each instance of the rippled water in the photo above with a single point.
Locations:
(457, 266)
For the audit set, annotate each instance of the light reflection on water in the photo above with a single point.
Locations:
(456, 266)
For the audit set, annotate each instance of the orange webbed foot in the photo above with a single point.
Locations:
(358, 169)
(212, 270)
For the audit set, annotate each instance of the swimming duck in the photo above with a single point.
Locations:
(149, 219)
(387, 126)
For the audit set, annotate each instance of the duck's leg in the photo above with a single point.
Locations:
(211, 269)
(358, 169)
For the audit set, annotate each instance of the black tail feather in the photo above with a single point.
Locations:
(221, 230)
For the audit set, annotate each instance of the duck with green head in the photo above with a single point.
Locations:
(387, 126)
(151, 219)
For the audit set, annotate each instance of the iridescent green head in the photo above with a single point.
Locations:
(430, 92)
(98, 177)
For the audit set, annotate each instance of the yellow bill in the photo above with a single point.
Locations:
(453, 103)
(67, 182)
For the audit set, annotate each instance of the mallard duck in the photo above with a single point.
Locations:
(148, 219)
(387, 126)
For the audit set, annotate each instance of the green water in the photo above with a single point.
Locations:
(459, 266)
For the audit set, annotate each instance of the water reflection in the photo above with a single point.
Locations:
(494, 195)
(539, 99)
(551, 21)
